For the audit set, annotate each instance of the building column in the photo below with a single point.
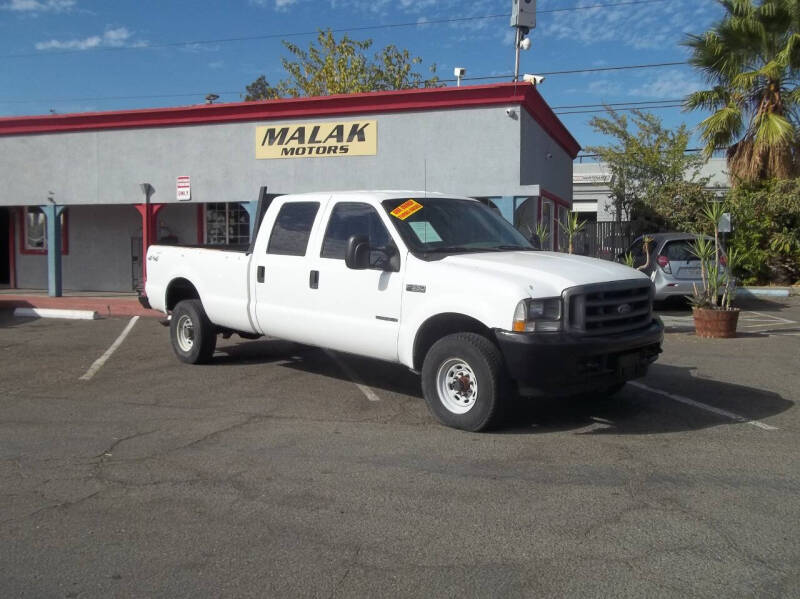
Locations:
(148, 213)
(52, 215)
(252, 210)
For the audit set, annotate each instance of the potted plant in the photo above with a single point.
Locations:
(713, 313)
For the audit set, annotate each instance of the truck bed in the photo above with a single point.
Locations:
(220, 275)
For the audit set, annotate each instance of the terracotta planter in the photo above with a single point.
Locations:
(719, 324)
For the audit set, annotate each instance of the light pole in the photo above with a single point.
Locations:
(523, 18)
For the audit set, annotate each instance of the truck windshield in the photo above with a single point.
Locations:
(431, 226)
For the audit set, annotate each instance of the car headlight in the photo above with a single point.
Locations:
(538, 315)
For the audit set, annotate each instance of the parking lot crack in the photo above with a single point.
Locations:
(54, 506)
(110, 450)
(247, 421)
(351, 563)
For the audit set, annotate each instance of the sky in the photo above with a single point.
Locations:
(72, 56)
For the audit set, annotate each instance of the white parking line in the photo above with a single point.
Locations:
(98, 363)
(773, 317)
(702, 406)
(368, 393)
(748, 319)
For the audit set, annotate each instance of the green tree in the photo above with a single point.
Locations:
(644, 162)
(678, 206)
(330, 66)
(766, 231)
(751, 59)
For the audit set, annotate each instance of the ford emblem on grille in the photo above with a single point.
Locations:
(623, 308)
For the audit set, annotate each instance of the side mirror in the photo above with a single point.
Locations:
(356, 255)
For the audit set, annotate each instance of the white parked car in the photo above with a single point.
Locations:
(442, 285)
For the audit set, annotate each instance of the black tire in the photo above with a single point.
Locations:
(483, 390)
(192, 335)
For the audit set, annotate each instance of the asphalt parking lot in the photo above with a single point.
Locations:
(281, 470)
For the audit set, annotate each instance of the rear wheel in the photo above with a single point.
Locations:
(464, 383)
(192, 335)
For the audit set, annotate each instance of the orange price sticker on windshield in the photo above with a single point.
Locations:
(406, 209)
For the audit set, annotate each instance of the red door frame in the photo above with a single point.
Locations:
(12, 250)
(148, 212)
(557, 202)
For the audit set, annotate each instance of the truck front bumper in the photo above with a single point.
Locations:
(563, 363)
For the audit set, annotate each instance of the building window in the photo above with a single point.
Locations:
(227, 224)
(34, 231)
(563, 215)
(526, 217)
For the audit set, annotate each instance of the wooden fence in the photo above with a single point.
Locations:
(606, 239)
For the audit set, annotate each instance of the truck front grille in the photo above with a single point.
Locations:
(608, 308)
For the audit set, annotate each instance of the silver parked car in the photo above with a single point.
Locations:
(672, 267)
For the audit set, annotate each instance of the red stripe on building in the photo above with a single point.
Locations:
(444, 98)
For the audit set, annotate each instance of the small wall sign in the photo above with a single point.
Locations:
(183, 187)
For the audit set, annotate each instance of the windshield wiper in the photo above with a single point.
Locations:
(520, 248)
(447, 249)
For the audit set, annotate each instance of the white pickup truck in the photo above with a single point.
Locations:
(443, 285)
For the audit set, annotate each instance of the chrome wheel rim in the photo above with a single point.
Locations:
(185, 333)
(457, 386)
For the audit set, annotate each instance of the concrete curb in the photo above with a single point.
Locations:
(763, 292)
(105, 306)
(55, 313)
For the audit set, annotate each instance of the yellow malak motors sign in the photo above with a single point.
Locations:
(317, 140)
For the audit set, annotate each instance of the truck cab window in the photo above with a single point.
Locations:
(353, 218)
(292, 229)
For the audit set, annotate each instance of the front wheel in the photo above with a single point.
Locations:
(192, 335)
(464, 382)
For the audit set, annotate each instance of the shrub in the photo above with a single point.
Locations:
(766, 231)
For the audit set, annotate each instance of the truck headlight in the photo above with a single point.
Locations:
(538, 315)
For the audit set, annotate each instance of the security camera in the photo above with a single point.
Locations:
(525, 44)
(459, 71)
(511, 113)
(533, 79)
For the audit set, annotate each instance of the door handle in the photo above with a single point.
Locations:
(260, 274)
(313, 279)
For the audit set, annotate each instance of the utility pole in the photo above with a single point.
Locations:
(523, 18)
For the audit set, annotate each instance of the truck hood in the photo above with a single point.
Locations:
(545, 274)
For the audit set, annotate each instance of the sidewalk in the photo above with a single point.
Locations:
(105, 304)
(768, 291)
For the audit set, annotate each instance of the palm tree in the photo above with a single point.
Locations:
(752, 59)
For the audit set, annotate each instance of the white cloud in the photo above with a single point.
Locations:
(647, 26)
(217, 64)
(604, 88)
(668, 84)
(38, 6)
(118, 37)
(280, 5)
